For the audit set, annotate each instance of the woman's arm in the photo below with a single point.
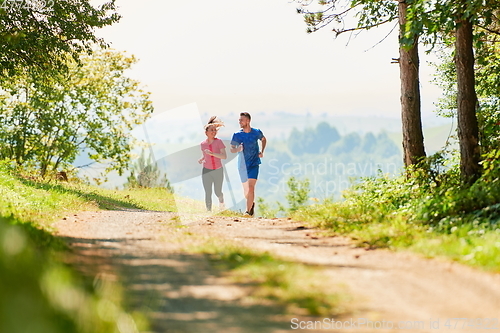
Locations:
(236, 149)
(222, 154)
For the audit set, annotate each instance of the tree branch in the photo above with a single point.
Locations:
(367, 27)
(490, 30)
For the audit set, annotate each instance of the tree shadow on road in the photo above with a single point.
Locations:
(178, 292)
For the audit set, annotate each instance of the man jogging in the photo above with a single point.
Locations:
(245, 142)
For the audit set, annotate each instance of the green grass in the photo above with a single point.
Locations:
(44, 203)
(39, 293)
(298, 288)
(38, 203)
(388, 214)
(156, 199)
(482, 251)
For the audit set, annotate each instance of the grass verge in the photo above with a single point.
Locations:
(44, 203)
(40, 293)
(469, 240)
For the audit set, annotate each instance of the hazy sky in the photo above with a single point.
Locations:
(201, 57)
(240, 55)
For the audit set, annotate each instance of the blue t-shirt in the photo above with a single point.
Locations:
(250, 146)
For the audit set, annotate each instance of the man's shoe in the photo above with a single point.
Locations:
(247, 214)
(251, 212)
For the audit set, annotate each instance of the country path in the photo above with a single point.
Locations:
(182, 292)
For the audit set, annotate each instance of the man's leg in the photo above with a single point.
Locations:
(251, 193)
(253, 174)
(248, 180)
(244, 181)
(245, 189)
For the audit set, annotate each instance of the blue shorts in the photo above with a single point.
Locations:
(249, 173)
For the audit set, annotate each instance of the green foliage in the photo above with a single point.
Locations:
(39, 35)
(436, 21)
(468, 244)
(298, 193)
(145, 174)
(432, 194)
(426, 205)
(457, 22)
(40, 293)
(35, 202)
(265, 210)
(445, 78)
(43, 203)
(36, 284)
(487, 83)
(297, 196)
(369, 14)
(487, 87)
(46, 123)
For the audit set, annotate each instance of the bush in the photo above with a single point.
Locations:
(427, 205)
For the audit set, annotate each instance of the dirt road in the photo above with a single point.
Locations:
(182, 292)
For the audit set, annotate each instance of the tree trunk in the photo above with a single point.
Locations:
(468, 130)
(413, 137)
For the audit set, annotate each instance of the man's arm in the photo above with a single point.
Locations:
(264, 142)
(236, 147)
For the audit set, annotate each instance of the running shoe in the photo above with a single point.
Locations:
(251, 212)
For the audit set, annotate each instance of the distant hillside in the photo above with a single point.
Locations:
(278, 124)
(435, 138)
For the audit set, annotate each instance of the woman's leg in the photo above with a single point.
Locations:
(218, 180)
(207, 180)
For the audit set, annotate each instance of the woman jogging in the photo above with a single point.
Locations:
(213, 150)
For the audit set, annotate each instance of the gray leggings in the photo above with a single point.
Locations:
(212, 178)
